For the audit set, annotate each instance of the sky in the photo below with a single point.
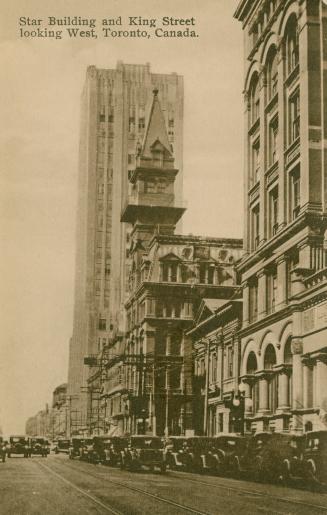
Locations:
(42, 80)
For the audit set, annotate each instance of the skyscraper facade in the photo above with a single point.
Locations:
(115, 104)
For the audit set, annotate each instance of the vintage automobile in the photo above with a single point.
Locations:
(38, 445)
(108, 449)
(18, 445)
(63, 445)
(76, 445)
(177, 452)
(249, 458)
(87, 450)
(142, 451)
(200, 454)
(314, 465)
(263, 456)
(227, 446)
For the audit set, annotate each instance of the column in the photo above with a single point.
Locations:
(297, 401)
(246, 223)
(262, 220)
(215, 276)
(179, 273)
(246, 300)
(262, 294)
(169, 272)
(321, 382)
(311, 114)
(160, 271)
(307, 385)
(263, 394)
(281, 282)
(282, 182)
(197, 273)
(283, 391)
(168, 344)
(206, 274)
(248, 404)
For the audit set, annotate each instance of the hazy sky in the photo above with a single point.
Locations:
(41, 85)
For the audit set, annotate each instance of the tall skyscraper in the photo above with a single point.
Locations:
(115, 105)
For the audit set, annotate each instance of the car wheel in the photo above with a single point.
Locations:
(312, 471)
(163, 468)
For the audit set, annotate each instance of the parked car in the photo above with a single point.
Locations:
(109, 449)
(177, 452)
(18, 445)
(227, 446)
(263, 456)
(75, 447)
(87, 450)
(38, 446)
(249, 459)
(314, 465)
(62, 446)
(200, 454)
(142, 451)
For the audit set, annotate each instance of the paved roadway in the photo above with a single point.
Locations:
(57, 485)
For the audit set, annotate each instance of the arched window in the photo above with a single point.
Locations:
(254, 99)
(272, 73)
(251, 365)
(270, 357)
(269, 362)
(288, 357)
(291, 45)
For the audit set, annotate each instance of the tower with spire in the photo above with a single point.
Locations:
(151, 205)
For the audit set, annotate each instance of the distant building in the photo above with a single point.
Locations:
(115, 104)
(144, 380)
(284, 268)
(54, 422)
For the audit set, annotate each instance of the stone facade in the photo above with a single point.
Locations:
(283, 337)
(217, 347)
(147, 371)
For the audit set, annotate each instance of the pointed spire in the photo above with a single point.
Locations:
(156, 128)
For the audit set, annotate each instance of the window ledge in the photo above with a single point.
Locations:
(272, 102)
(292, 76)
(254, 126)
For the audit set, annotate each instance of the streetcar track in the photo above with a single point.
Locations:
(255, 493)
(80, 490)
(138, 490)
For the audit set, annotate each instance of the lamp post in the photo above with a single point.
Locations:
(238, 402)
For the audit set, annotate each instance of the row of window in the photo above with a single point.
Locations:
(291, 51)
(294, 205)
(293, 133)
(228, 365)
(271, 288)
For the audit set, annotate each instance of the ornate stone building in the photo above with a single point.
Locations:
(147, 381)
(284, 274)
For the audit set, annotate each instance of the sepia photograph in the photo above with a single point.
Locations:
(163, 195)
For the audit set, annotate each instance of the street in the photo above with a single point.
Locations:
(57, 485)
